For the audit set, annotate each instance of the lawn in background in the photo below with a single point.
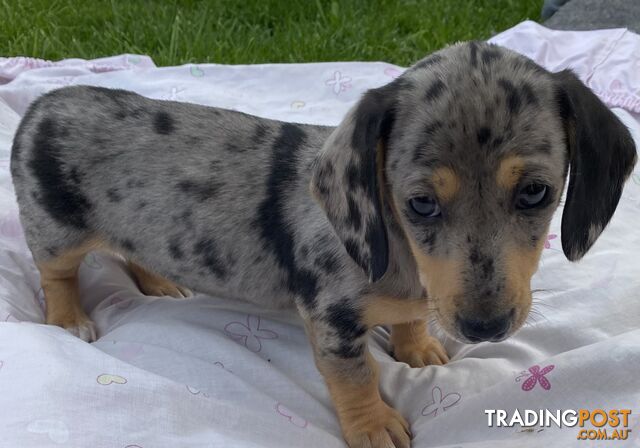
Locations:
(251, 31)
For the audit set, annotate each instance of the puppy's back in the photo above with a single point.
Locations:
(182, 189)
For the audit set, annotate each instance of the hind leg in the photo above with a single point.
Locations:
(153, 285)
(59, 279)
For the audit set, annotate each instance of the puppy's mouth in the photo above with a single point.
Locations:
(467, 328)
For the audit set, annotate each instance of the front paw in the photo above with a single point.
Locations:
(77, 323)
(377, 427)
(428, 351)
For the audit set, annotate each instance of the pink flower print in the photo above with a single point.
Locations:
(250, 335)
(616, 84)
(392, 72)
(547, 243)
(290, 416)
(339, 83)
(536, 375)
(440, 403)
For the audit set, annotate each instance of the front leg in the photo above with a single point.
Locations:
(351, 375)
(412, 344)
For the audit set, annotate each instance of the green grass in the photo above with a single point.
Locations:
(251, 31)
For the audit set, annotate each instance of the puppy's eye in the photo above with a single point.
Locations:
(531, 196)
(425, 206)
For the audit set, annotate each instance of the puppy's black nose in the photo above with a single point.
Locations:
(478, 330)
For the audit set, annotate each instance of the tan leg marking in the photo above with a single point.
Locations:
(413, 345)
(59, 279)
(154, 285)
(366, 420)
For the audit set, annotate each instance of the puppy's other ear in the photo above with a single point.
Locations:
(345, 180)
(602, 155)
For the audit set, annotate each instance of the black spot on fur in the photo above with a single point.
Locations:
(473, 47)
(163, 123)
(202, 191)
(328, 262)
(427, 62)
(345, 319)
(113, 195)
(347, 350)
(120, 114)
(234, 146)
(497, 142)
(324, 176)
(135, 183)
(431, 128)
(354, 218)
(74, 176)
(304, 251)
(528, 94)
(544, 147)
(105, 154)
(534, 240)
(490, 54)
(484, 134)
(128, 245)
(428, 239)
(207, 250)
(272, 221)
(354, 174)
(435, 90)
(514, 100)
(374, 234)
(474, 256)
(175, 250)
(63, 200)
(487, 268)
(142, 205)
(353, 249)
(259, 135)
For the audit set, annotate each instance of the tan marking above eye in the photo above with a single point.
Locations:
(510, 171)
(446, 183)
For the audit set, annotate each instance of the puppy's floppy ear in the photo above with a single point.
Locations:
(602, 155)
(345, 180)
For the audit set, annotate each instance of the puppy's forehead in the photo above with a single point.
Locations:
(472, 100)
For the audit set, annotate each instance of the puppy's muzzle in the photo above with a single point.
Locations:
(479, 330)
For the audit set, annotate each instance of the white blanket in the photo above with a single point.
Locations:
(212, 372)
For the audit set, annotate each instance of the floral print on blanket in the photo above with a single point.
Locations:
(535, 375)
(249, 334)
